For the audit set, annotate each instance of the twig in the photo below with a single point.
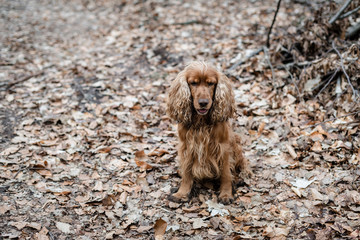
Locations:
(329, 120)
(344, 71)
(272, 24)
(23, 79)
(338, 14)
(298, 64)
(352, 31)
(247, 58)
(349, 12)
(328, 82)
(269, 62)
(189, 23)
(6, 64)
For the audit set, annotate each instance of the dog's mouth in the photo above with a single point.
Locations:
(202, 111)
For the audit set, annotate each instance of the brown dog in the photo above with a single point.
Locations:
(201, 100)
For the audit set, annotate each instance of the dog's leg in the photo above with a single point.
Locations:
(226, 196)
(183, 193)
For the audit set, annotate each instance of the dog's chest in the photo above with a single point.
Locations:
(205, 152)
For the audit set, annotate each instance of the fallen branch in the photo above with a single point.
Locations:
(338, 14)
(355, 93)
(272, 24)
(349, 12)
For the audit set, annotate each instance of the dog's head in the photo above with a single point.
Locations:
(202, 90)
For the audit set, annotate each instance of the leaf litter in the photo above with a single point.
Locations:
(87, 150)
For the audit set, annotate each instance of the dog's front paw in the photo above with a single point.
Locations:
(179, 198)
(226, 198)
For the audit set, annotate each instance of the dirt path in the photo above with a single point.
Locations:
(87, 152)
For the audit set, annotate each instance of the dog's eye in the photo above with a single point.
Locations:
(193, 83)
(211, 84)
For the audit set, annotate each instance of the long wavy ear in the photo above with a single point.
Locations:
(224, 101)
(179, 100)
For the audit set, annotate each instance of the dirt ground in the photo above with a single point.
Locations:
(87, 151)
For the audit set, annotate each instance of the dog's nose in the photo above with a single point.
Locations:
(203, 102)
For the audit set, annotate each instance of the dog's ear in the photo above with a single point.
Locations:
(179, 100)
(224, 102)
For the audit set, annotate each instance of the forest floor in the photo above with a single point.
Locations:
(87, 151)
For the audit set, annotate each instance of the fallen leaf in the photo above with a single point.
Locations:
(10, 150)
(160, 228)
(143, 165)
(316, 137)
(198, 223)
(316, 195)
(316, 147)
(302, 183)
(4, 209)
(34, 225)
(217, 208)
(42, 235)
(19, 225)
(291, 151)
(140, 154)
(261, 128)
(296, 191)
(158, 153)
(64, 227)
(142, 229)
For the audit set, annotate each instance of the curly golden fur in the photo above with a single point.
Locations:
(201, 100)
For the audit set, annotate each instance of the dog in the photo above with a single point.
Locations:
(202, 101)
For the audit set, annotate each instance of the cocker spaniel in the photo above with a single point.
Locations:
(201, 100)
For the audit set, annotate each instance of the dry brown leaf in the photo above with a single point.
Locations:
(142, 229)
(140, 154)
(109, 200)
(123, 197)
(261, 128)
(44, 172)
(296, 191)
(159, 229)
(34, 225)
(191, 209)
(143, 165)
(316, 195)
(10, 150)
(5, 208)
(316, 137)
(62, 193)
(127, 182)
(316, 147)
(246, 228)
(48, 143)
(18, 225)
(98, 186)
(42, 235)
(158, 153)
(291, 151)
(105, 150)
